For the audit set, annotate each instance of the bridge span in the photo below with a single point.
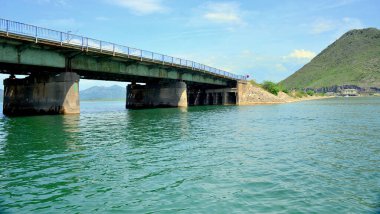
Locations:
(55, 62)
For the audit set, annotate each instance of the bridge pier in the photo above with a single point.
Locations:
(42, 94)
(224, 96)
(159, 94)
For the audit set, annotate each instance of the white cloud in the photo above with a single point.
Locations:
(65, 23)
(102, 18)
(301, 54)
(142, 7)
(224, 13)
(348, 23)
(55, 2)
(280, 67)
(340, 26)
(322, 25)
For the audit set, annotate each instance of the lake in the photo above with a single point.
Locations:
(319, 156)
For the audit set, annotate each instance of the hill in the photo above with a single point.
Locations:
(103, 93)
(353, 59)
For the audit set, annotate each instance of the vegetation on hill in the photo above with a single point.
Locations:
(271, 87)
(276, 89)
(353, 59)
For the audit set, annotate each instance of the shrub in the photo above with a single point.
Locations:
(271, 87)
(286, 91)
(320, 94)
(253, 82)
(299, 94)
(310, 92)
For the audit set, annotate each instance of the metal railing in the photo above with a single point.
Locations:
(43, 34)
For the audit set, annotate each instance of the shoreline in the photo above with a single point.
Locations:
(293, 100)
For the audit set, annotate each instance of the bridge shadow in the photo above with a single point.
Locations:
(24, 136)
(154, 126)
(377, 206)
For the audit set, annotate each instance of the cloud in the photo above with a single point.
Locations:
(142, 7)
(322, 25)
(333, 5)
(348, 23)
(339, 26)
(280, 67)
(102, 18)
(301, 54)
(65, 23)
(223, 13)
(55, 2)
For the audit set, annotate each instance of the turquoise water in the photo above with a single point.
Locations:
(318, 156)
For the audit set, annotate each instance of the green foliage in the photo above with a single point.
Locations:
(283, 89)
(353, 59)
(253, 82)
(298, 94)
(271, 87)
(310, 92)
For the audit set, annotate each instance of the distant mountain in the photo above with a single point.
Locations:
(1, 95)
(352, 60)
(103, 93)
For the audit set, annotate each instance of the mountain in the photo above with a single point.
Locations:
(103, 93)
(352, 60)
(1, 95)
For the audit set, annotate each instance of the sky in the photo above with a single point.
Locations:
(265, 39)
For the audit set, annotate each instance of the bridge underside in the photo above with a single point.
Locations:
(54, 72)
(59, 94)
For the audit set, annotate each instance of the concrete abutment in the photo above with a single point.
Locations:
(42, 94)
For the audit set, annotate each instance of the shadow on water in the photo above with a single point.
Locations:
(377, 208)
(24, 136)
(34, 152)
(153, 126)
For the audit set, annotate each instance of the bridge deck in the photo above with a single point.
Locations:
(24, 32)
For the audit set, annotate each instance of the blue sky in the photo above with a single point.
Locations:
(268, 39)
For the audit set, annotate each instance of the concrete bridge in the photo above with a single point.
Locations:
(55, 62)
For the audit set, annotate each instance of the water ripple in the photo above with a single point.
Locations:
(318, 156)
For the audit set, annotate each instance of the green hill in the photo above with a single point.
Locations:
(353, 59)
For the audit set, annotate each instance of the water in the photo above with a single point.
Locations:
(309, 157)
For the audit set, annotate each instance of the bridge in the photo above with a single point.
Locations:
(55, 62)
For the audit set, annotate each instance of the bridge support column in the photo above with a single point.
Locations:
(224, 96)
(155, 95)
(42, 94)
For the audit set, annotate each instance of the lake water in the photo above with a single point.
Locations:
(318, 156)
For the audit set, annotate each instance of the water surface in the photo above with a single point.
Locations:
(309, 157)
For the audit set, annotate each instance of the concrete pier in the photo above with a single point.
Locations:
(223, 96)
(158, 94)
(42, 94)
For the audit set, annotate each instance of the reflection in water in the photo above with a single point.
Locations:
(26, 135)
(29, 147)
(318, 156)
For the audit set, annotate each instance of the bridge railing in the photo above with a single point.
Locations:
(85, 43)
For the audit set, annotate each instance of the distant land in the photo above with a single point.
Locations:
(103, 93)
(353, 60)
(96, 93)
